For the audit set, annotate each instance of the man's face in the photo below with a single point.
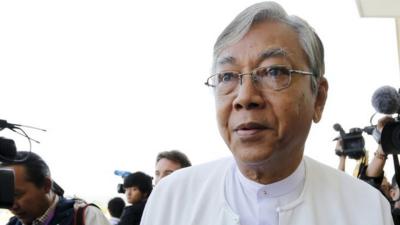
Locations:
(165, 167)
(30, 201)
(395, 196)
(262, 126)
(133, 194)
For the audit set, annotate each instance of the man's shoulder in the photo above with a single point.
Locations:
(198, 188)
(199, 173)
(331, 189)
(316, 168)
(14, 221)
(324, 177)
(194, 179)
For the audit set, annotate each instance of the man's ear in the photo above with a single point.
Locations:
(47, 184)
(322, 94)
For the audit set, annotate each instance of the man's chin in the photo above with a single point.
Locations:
(253, 159)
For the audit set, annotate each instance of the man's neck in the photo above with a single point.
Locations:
(271, 170)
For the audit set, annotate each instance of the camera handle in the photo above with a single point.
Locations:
(396, 168)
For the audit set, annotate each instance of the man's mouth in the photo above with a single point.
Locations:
(246, 129)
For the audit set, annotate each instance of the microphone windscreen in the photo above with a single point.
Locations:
(8, 150)
(386, 100)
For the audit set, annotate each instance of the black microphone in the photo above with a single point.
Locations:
(386, 100)
(5, 124)
(14, 127)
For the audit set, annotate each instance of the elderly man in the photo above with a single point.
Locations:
(39, 201)
(269, 87)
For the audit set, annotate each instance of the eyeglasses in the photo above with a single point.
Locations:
(276, 77)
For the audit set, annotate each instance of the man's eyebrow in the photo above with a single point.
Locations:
(226, 60)
(272, 52)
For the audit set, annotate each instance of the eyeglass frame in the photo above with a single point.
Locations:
(253, 72)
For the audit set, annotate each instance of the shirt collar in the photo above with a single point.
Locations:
(277, 189)
(47, 216)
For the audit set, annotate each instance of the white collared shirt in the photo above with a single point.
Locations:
(258, 204)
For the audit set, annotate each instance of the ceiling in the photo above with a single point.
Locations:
(379, 8)
(382, 8)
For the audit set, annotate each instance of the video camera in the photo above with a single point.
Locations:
(8, 152)
(123, 174)
(352, 142)
(385, 100)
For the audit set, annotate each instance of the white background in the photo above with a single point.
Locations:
(116, 82)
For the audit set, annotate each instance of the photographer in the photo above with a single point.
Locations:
(38, 200)
(373, 172)
(342, 157)
(395, 203)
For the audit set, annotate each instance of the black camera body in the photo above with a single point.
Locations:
(353, 144)
(7, 151)
(6, 188)
(120, 188)
(390, 137)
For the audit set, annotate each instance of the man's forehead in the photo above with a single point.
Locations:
(164, 162)
(19, 172)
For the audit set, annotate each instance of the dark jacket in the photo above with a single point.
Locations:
(63, 215)
(132, 214)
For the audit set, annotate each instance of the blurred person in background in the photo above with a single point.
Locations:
(115, 207)
(169, 161)
(138, 187)
(395, 197)
(38, 199)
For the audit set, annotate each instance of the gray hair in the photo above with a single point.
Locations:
(272, 11)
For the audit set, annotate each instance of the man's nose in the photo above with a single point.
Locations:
(249, 96)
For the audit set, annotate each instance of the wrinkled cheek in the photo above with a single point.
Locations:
(223, 114)
(303, 113)
(302, 107)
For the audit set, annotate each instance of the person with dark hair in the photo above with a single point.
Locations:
(269, 87)
(115, 207)
(38, 199)
(169, 161)
(395, 200)
(138, 187)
